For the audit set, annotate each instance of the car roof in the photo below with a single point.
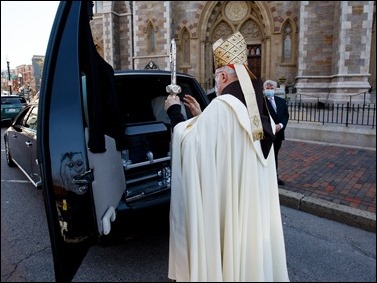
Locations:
(11, 95)
(149, 72)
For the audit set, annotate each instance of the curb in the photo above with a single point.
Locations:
(341, 213)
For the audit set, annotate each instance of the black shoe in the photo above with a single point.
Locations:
(281, 182)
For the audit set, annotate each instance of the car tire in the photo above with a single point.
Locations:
(8, 157)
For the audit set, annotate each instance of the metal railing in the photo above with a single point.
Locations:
(347, 114)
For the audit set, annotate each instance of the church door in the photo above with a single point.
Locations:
(254, 59)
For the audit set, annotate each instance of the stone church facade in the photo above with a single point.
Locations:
(325, 49)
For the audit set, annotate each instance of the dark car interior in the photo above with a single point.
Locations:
(146, 132)
(141, 90)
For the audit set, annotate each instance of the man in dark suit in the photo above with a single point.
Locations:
(279, 112)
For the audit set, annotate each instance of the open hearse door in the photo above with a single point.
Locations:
(83, 177)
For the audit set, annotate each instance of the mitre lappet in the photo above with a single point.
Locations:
(233, 52)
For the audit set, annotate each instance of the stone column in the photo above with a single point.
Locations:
(351, 58)
(334, 50)
(145, 12)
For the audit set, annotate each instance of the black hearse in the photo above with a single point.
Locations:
(103, 141)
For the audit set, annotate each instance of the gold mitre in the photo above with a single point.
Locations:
(231, 51)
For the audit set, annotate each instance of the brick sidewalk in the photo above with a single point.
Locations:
(342, 175)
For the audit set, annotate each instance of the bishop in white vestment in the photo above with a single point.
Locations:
(225, 221)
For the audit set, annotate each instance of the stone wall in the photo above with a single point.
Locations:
(356, 136)
(333, 64)
(331, 41)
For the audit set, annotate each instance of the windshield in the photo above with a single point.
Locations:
(12, 100)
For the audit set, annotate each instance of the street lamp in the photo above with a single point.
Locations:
(9, 82)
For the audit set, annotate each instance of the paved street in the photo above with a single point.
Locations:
(318, 249)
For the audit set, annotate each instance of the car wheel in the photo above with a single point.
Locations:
(8, 156)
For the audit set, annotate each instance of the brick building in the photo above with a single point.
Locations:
(325, 49)
(37, 62)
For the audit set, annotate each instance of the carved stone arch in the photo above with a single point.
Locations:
(252, 30)
(221, 29)
(209, 21)
(289, 23)
(150, 22)
(210, 13)
(263, 15)
(235, 11)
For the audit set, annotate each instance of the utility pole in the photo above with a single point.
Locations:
(9, 81)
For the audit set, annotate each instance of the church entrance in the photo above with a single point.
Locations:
(254, 60)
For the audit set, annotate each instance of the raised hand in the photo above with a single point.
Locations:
(192, 104)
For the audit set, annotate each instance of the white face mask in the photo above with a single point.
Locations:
(269, 92)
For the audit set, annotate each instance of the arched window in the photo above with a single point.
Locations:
(287, 43)
(186, 47)
(151, 39)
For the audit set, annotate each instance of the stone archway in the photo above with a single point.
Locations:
(221, 19)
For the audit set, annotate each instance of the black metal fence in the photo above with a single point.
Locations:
(347, 114)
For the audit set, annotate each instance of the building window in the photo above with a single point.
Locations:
(287, 43)
(151, 38)
(186, 47)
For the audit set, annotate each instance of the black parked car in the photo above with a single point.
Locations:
(103, 139)
(20, 141)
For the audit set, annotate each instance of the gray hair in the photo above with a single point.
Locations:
(227, 70)
(270, 83)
